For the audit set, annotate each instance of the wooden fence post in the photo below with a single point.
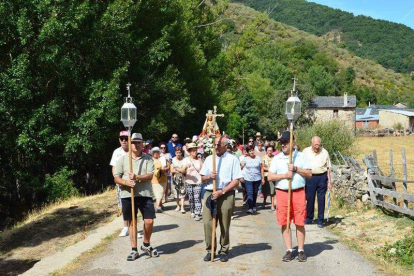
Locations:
(393, 176)
(405, 176)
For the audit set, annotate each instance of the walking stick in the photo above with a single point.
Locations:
(134, 225)
(290, 180)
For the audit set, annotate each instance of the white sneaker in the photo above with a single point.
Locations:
(177, 209)
(182, 211)
(124, 232)
(158, 209)
(197, 217)
(192, 215)
(250, 211)
(254, 209)
(139, 235)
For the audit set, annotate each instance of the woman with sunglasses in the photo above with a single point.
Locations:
(253, 177)
(164, 153)
(159, 179)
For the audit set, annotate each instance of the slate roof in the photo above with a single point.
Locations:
(332, 102)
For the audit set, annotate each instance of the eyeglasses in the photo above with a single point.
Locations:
(123, 138)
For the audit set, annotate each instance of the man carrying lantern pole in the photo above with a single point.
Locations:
(222, 172)
(289, 169)
(133, 172)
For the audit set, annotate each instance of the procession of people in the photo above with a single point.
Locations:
(209, 176)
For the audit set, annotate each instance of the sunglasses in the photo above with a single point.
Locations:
(162, 147)
(123, 138)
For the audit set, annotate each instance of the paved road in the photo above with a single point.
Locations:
(256, 249)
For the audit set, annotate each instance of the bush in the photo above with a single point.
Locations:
(60, 185)
(401, 252)
(335, 136)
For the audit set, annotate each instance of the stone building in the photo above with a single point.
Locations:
(393, 118)
(322, 109)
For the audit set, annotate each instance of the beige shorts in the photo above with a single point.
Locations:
(158, 190)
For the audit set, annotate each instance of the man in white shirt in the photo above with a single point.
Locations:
(227, 175)
(320, 181)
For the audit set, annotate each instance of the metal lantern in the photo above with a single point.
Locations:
(293, 108)
(128, 111)
(293, 104)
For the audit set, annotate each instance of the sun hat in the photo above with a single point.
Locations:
(258, 134)
(136, 137)
(191, 146)
(155, 149)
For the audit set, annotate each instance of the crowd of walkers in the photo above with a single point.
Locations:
(180, 172)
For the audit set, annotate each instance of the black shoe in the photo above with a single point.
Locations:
(207, 257)
(223, 257)
(288, 256)
(302, 256)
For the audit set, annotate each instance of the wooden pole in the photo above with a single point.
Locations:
(213, 230)
(290, 180)
(134, 224)
(405, 176)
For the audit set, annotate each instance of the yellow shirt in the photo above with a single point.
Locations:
(159, 177)
(320, 161)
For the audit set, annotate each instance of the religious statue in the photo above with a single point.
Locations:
(210, 126)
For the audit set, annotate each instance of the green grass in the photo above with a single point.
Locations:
(404, 251)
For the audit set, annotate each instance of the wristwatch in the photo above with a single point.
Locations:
(136, 178)
(222, 190)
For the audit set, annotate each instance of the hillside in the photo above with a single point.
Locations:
(367, 79)
(390, 44)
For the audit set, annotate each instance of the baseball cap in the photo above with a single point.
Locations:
(123, 133)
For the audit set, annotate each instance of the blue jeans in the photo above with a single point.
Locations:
(317, 185)
(252, 188)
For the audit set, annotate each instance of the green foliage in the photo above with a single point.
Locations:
(390, 44)
(335, 136)
(60, 186)
(63, 71)
(404, 251)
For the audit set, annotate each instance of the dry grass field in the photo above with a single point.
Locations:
(52, 229)
(366, 145)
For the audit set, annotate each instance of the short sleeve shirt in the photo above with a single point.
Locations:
(279, 165)
(116, 155)
(266, 161)
(227, 168)
(193, 175)
(320, 162)
(252, 168)
(141, 165)
(177, 164)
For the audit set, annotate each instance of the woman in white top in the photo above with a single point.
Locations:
(168, 157)
(253, 177)
(178, 188)
(193, 180)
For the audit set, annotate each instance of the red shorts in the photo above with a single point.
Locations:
(297, 203)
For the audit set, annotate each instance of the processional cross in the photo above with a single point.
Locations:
(213, 115)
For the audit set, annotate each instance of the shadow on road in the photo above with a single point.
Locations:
(314, 249)
(164, 227)
(15, 267)
(174, 247)
(242, 249)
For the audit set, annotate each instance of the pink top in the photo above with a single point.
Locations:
(276, 152)
(192, 176)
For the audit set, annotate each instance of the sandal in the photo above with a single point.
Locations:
(133, 256)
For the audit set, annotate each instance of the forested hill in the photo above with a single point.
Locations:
(390, 44)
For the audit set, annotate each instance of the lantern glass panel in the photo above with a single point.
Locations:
(293, 108)
(128, 114)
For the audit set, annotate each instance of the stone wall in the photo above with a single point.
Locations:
(327, 114)
(350, 184)
(389, 119)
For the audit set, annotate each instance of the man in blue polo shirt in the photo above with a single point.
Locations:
(172, 144)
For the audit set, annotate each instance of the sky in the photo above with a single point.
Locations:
(399, 11)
